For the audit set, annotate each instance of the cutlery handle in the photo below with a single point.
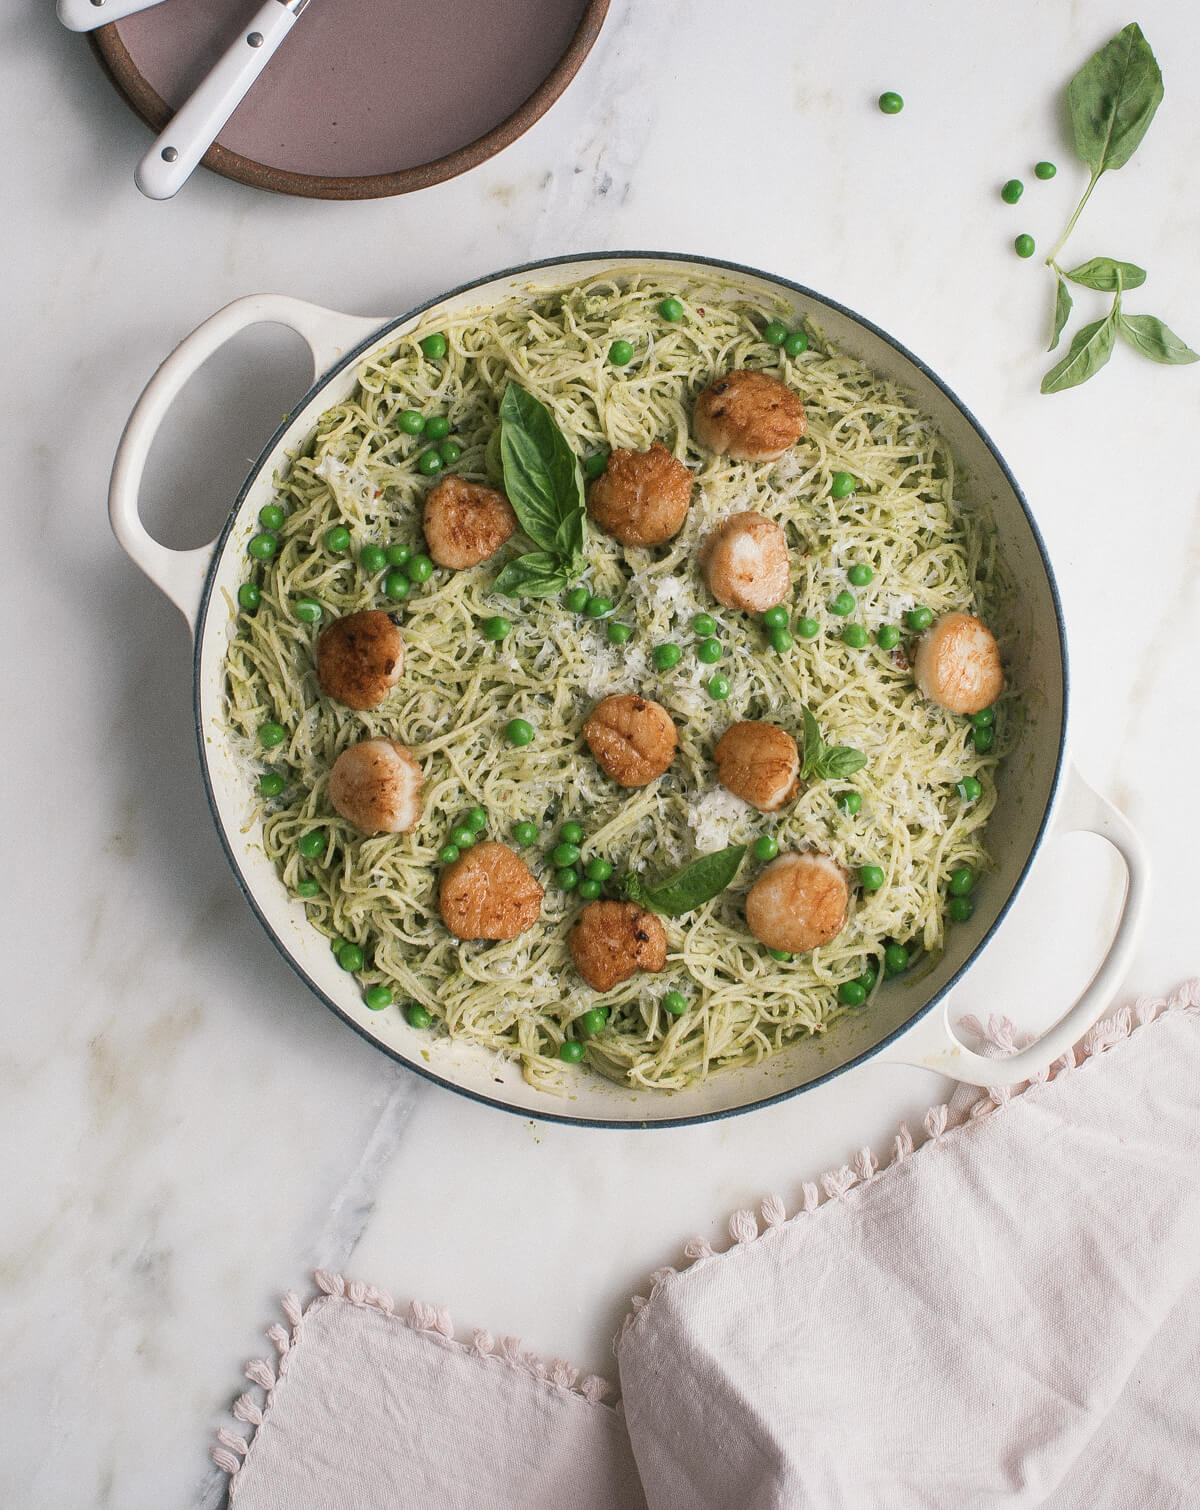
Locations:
(185, 140)
(86, 15)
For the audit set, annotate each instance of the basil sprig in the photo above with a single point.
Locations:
(824, 762)
(544, 484)
(1112, 100)
(688, 888)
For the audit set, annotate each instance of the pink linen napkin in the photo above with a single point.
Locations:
(1008, 1315)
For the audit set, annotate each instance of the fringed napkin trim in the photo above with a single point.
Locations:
(230, 1450)
(743, 1226)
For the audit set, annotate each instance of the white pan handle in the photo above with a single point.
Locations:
(86, 15)
(329, 335)
(932, 1044)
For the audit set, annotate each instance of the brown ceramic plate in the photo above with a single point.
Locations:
(365, 98)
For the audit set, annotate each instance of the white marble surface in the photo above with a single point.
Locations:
(188, 1132)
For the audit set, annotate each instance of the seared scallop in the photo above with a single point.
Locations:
(958, 664)
(748, 415)
(360, 659)
(465, 522)
(613, 940)
(798, 902)
(489, 893)
(760, 763)
(633, 738)
(642, 497)
(745, 563)
(376, 785)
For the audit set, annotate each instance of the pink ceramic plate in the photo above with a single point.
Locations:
(367, 97)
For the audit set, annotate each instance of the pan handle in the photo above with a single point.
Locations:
(328, 334)
(932, 1044)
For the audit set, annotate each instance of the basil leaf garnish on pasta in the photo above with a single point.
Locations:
(690, 887)
(823, 762)
(541, 475)
(540, 574)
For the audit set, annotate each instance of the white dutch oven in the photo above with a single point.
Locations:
(1040, 793)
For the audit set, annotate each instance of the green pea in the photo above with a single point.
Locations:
(1012, 191)
(919, 618)
(969, 789)
(595, 464)
(850, 803)
(870, 877)
(590, 890)
(842, 604)
(308, 887)
(775, 333)
(262, 547)
(312, 844)
(463, 836)
(576, 599)
(420, 569)
(807, 629)
(1044, 170)
(855, 636)
(450, 451)
(983, 739)
(776, 618)
(411, 421)
(765, 848)
(417, 1016)
(571, 1052)
(437, 427)
(843, 485)
(868, 978)
(399, 555)
(704, 624)
(895, 959)
(434, 346)
(859, 574)
(984, 718)
(271, 734)
(592, 1021)
(396, 585)
(674, 1002)
(377, 997)
(617, 634)
(890, 102)
(271, 516)
(779, 954)
(571, 833)
(350, 957)
(372, 558)
(961, 909)
(718, 688)
(448, 854)
(337, 539)
(249, 596)
(429, 462)
(307, 610)
(709, 651)
(887, 637)
(1024, 246)
(852, 993)
(671, 310)
(477, 819)
(518, 732)
(781, 640)
(620, 353)
(564, 854)
(961, 881)
(497, 627)
(596, 608)
(796, 343)
(666, 656)
(270, 784)
(525, 833)
(567, 877)
(597, 869)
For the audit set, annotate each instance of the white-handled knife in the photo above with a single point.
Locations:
(169, 162)
(86, 15)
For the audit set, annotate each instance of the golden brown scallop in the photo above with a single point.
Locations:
(957, 664)
(745, 563)
(489, 893)
(760, 763)
(360, 659)
(633, 738)
(798, 902)
(465, 522)
(748, 415)
(612, 940)
(642, 497)
(376, 785)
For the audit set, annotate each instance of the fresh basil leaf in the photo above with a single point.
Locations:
(1062, 311)
(1112, 100)
(629, 888)
(539, 574)
(1105, 274)
(1089, 351)
(1155, 340)
(695, 884)
(840, 762)
(814, 745)
(541, 473)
